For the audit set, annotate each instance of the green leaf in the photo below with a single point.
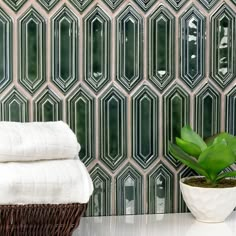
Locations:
(180, 155)
(210, 140)
(223, 136)
(188, 147)
(216, 158)
(232, 144)
(230, 139)
(225, 175)
(189, 135)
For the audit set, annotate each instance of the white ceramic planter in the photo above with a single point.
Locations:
(209, 204)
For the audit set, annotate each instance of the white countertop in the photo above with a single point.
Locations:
(154, 225)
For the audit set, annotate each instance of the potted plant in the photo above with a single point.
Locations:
(211, 196)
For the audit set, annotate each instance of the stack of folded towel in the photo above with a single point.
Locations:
(39, 164)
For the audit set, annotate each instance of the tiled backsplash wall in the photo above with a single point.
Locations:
(125, 75)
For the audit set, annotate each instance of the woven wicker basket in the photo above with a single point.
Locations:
(40, 219)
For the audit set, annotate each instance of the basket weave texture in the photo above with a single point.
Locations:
(40, 219)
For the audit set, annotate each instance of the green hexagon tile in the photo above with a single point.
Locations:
(125, 75)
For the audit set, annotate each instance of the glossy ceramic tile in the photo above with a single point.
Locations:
(15, 4)
(48, 4)
(160, 190)
(97, 42)
(145, 104)
(100, 203)
(129, 191)
(125, 75)
(161, 50)
(31, 49)
(64, 46)
(207, 110)
(192, 45)
(223, 39)
(129, 37)
(5, 49)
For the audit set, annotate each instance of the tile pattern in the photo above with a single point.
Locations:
(113, 4)
(145, 126)
(100, 203)
(175, 113)
(48, 4)
(145, 4)
(177, 4)
(129, 191)
(5, 49)
(64, 46)
(207, 110)
(15, 4)
(47, 106)
(15, 107)
(31, 48)
(208, 4)
(113, 129)
(192, 45)
(161, 47)
(129, 37)
(81, 4)
(160, 190)
(80, 117)
(97, 26)
(230, 111)
(125, 75)
(222, 50)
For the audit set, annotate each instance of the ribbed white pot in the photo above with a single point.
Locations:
(209, 204)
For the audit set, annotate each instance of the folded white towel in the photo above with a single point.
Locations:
(37, 141)
(44, 182)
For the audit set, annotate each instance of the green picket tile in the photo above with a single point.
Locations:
(145, 126)
(113, 128)
(230, 111)
(207, 111)
(177, 4)
(192, 46)
(160, 190)
(5, 49)
(129, 193)
(223, 45)
(64, 48)
(74, 84)
(15, 5)
(32, 50)
(100, 201)
(81, 4)
(48, 4)
(15, 107)
(113, 4)
(208, 4)
(129, 48)
(145, 4)
(47, 106)
(97, 28)
(175, 116)
(81, 117)
(161, 47)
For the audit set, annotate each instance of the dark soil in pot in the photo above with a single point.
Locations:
(201, 182)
